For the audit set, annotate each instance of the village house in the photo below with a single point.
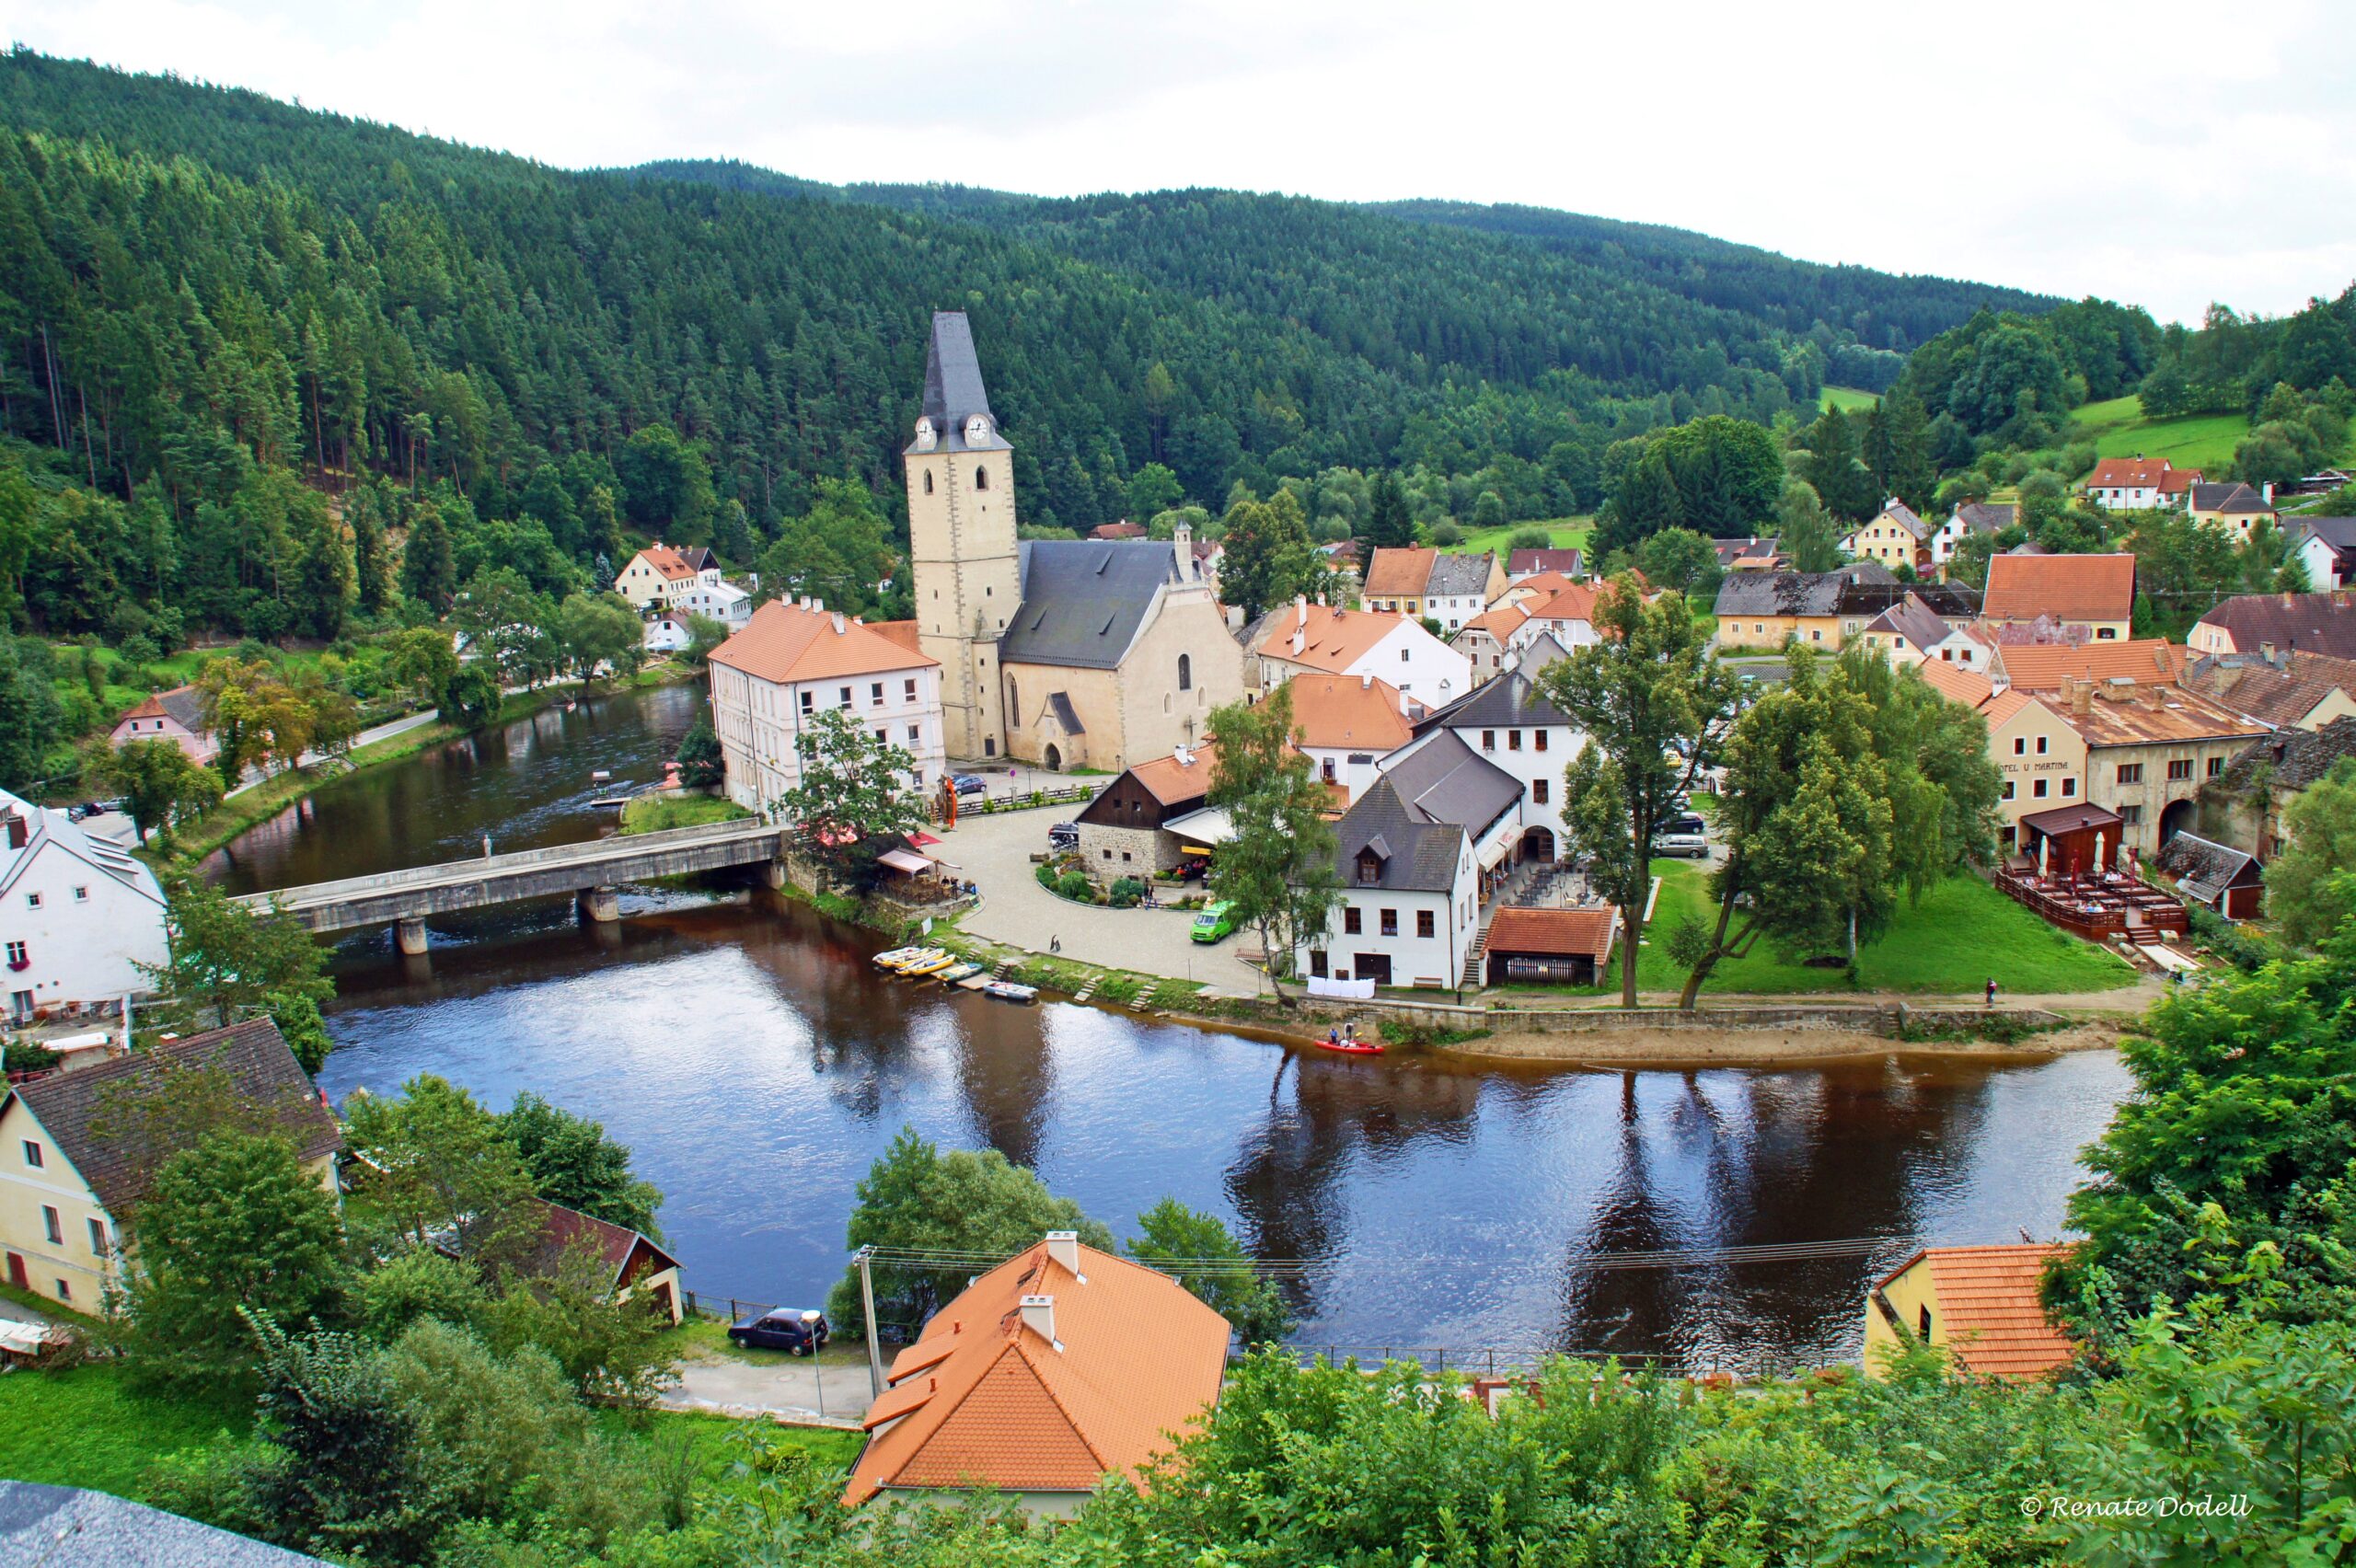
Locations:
(1969, 518)
(1067, 653)
(1537, 586)
(1346, 725)
(1531, 562)
(2261, 782)
(2280, 623)
(1511, 724)
(667, 633)
(1123, 529)
(2233, 508)
(1125, 832)
(1894, 538)
(1551, 947)
(79, 915)
(1910, 632)
(1488, 640)
(1305, 639)
(1055, 1369)
(1823, 609)
(657, 575)
(722, 602)
(792, 662)
(1755, 552)
(2150, 749)
(1435, 584)
(2261, 688)
(2094, 591)
(1409, 899)
(1978, 1304)
(2229, 880)
(2139, 483)
(65, 1187)
(2325, 549)
(2040, 754)
(2046, 666)
(631, 1264)
(1566, 616)
(178, 716)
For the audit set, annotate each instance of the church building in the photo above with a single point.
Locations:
(1060, 652)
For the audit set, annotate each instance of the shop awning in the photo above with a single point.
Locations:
(907, 860)
(1198, 831)
(1497, 852)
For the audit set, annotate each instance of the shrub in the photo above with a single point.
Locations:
(1126, 891)
(1447, 536)
(1075, 884)
(28, 1057)
(1046, 875)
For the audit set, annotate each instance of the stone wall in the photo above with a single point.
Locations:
(1148, 850)
(1886, 1020)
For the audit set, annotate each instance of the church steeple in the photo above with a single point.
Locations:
(962, 547)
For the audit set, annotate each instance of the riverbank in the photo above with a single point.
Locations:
(248, 808)
(1713, 1044)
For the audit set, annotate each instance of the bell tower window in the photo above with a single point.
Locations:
(927, 482)
(1186, 671)
(981, 478)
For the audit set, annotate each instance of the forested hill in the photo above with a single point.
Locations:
(196, 283)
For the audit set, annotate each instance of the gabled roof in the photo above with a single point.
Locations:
(1566, 933)
(1986, 516)
(667, 562)
(1328, 638)
(1865, 588)
(786, 642)
(2338, 532)
(1912, 620)
(2316, 623)
(2230, 497)
(2131, 473)
(1512, 700)
(183, 705)
(1986, 1300)
(1898, 511)
(1499, 624)
(1066, 716)
(1458, 575)
(2000, 709)
(1121, 530)
(2205, 870)
(563, 1229)
(2043, 666)
(1135, 1358)
(1084, 599)
(47, 828)
(1446, 781)
(1418, 853)
(2295, 758)
(1347, 713)
(1576, 603)
(2066, 587)
(1175, 781)
(1956, 683)
(264, 1071)
(1399, 571)
(1732, 550)
(953, 384)
(1521, 563)
(2248, 684)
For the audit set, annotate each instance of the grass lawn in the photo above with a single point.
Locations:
(652, 813)
(2118, 429)
(1848, 399)
(1961, 933)
(1566, 533)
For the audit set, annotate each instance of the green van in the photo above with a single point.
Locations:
(1217, 921)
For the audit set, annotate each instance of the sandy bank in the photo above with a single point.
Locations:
(1759, 1047)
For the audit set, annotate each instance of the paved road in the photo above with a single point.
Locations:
(995, 852)
(408, 721)
(828, 1390)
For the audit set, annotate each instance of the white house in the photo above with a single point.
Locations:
(1306, 639)
(1969, 518)
(78, 915)
(2138, 483)
(722, 602)
(1910, 632)
(658, 574)
(2326, 547)
(1409, 908)
(1510, 724)
(1346, 725)
(792, 662)
(1566, 617)
(669, 632)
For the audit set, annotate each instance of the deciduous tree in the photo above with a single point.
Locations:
(1276, 867)
(158, 782)
(852, 784)
(1196, 1249)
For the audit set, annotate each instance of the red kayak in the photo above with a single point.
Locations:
(1353, 1048)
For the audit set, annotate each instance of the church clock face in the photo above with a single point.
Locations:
(927, 437)
(977, 430)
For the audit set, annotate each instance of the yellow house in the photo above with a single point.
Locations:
(66, 1183)
(1824, 610)
(2041, 755)
(1895, 538)
(2231, 507)
(1980, 1304)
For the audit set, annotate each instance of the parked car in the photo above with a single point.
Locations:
(968, 783)
(1688, 835)
(1217, 921)
(1064, 836)
(795, 1333)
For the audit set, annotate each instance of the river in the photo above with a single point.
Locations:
(756, 1064)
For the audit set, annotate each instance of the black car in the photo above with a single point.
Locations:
(796, 1333)
(1064, 836)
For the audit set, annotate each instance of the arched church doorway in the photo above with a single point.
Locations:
(1054, 760)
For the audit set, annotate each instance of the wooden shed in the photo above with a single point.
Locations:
(1563, 947)
(2227, 880)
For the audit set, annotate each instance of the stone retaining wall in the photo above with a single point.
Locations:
(1889, 1019)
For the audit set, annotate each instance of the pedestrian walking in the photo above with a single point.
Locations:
(1055, 944)
(1991, 992)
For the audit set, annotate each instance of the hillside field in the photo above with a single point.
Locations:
(2118, 429)
(1849, 400)
(1568, 533)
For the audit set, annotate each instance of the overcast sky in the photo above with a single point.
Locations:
(2160, 151)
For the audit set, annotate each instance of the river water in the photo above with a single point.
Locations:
(756, 1064)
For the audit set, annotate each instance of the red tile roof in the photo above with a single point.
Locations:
(1400, 571)
(2043, 666)
(1985, 1299)
(668, 561)
(1957, 684)
(1348, 713)
(1134, 1358)
(1171, 781)
(1330, 639)
(1558, 932)
(786, 642)
(2066, 587)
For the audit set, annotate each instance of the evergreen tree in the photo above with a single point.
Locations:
(429, 574)
(1389, 523)
(1835, 467)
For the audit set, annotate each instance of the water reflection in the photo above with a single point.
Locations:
(750, 1055)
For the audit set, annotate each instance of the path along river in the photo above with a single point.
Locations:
(754, 1062)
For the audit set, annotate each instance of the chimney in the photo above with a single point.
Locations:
(1063, 1246)
(2081, 693)
(19, 831)
(1366, 683)
(1182, 544)
(1039, 1317)
(839, 623)
(1300, 609)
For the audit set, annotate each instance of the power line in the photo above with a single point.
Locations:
(1664, 1258)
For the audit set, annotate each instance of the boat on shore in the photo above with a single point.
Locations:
(931, 962)
(898, 959)
(1352, 1046)
(1007, 991)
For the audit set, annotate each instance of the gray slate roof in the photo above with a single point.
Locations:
(1987, 516)
(1732, 550)
(1903, 515)
(73, 1107)
(2205, 870)
(67, 1526)
(1454, 575)
(2231, 497)
(1510, 700)
(1446, 781)
(1084, 599)
(953, 384)
(1059, 706)
(2340, 532)
(1913, 620)
(2312, 623)
(2295, 758)
(1864, 589)
(1418, 854)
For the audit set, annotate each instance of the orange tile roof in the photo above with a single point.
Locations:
(1575, 603)
(1170, 781)
(2043, 666)
(2131, 473)
(1999, 708)
(1586, 932)
(1957, 684)
(1400, 571)
(1500, 623)
(1348, 713)
(1986, 1300)
(667, 562)
(902, 632)
(1330, 639)
(1135, 1357)
(786, 642)
(2066, 587)
(1538, 584)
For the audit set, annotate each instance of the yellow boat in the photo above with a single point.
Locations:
(903, 964)
(929, 965)
(897, 957)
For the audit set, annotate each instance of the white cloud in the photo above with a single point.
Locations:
(2168, 153)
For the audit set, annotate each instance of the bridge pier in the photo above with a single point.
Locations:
(776, 873)
(410, 935)
(601, 904)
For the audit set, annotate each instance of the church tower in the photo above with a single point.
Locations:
(968, 577)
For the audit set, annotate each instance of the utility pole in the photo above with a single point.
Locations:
(867, 1310)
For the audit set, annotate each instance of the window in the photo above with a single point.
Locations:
(1127, 856)
(846, 697)
(927, 482)
(981, 478)
(1425, 924)
(1108, 854)
(82, 894)
(32, 1154)
(914, 733)
(1325, 770)
(2130, 773)
(1186, 671)
(52, 1223)
(1402, 655)
(1538, 790)
(2020, 745)
(2131, 814)
(1537, 739)
(875, 695)
(99, 1237)
(1317, 963)
(1370, 868)
(2037, 790)
(2008, 788)
(909, 690)
(33, 901)
(64, 1291)
(1513, 740)
(1390, 926)
(2216, 766)
(1489, 740)
(1013, 703)
(2041, 745)
(807, 698)
(1923, 1322)
(18, 957)
(2180, 768)
(1350, 923)
(2069, 789)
